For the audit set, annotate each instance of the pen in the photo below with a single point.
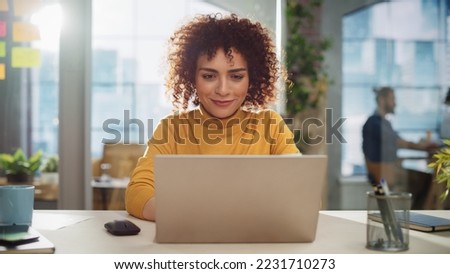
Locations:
(378, 190)
(389, 212)
(385, 187)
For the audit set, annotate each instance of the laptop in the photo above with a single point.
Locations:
(238, 198)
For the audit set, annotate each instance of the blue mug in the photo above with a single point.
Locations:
(16, 206)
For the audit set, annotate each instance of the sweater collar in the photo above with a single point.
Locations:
(236, 118)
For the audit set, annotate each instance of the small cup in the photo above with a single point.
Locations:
(388, 221)
(16, 207)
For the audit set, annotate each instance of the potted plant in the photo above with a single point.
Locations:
(18, 167)
(49, 171)
(308, 81)
(442, 168)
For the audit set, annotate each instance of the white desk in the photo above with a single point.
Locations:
(338, 232)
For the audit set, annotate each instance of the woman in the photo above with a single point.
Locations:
(225, 67)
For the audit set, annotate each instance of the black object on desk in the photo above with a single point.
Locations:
(11, 238)
(28, 242)
(420, 222)
(122, 227)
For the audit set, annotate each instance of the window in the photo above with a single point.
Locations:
(382, 45)
(45, 79)
(128, 49)
(29, 85)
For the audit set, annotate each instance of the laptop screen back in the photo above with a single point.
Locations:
(229, 198)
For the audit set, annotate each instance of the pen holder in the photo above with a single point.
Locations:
(387, 221)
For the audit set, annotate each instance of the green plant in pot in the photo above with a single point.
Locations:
(18, 167)
(49, 171)
(442, 168)
(308, 80)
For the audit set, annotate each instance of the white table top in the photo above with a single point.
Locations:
(405, 153)
(339, 232)
(111, 183)
(418, 165)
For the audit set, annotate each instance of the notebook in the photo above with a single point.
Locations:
(238, 198)
(420, 222)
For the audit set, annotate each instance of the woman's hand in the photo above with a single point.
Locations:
(149, 210)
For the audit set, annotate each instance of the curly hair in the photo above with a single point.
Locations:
(205, 34)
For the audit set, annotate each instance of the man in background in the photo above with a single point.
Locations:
(381, 141)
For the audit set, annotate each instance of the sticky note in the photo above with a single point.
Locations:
(26, 7)
(22, 57)
(2, 49)
(3, 5)
(2, 28)
(2, 72)
(24, 32)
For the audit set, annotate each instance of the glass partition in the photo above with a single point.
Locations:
(403, 44)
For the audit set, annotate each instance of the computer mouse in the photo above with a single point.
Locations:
(122, 227)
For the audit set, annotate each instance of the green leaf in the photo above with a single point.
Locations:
(19, 155)
(444, 195)
(36, 157)
(19, 163)
(438, 167)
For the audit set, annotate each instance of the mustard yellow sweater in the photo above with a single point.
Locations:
(196, 132)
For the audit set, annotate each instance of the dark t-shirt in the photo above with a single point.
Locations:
(379, 140)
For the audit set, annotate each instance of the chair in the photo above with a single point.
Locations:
(120, 160)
